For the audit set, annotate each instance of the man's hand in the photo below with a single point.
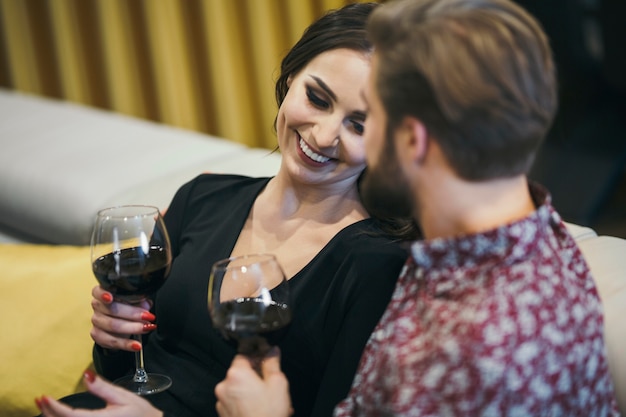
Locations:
(244, 394)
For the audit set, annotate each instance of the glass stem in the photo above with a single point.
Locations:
(141, 376)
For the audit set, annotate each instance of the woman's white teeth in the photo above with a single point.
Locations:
(314, 156)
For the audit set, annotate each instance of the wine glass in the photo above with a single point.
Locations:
(249, 302)
(131, 257)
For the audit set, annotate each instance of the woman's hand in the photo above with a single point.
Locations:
(120, 402)
(114, 322)
(243, 393)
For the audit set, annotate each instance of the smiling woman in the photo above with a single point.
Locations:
(340, 264)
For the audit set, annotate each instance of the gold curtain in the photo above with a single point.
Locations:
(206, 65)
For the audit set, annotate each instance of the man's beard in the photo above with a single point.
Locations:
(385, 192)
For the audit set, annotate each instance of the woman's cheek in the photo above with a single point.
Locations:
(355, 152)
(297, 114)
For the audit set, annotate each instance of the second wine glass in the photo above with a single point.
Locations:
(249, 302)
(131, 258)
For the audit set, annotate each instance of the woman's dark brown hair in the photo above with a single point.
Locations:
(339, 28)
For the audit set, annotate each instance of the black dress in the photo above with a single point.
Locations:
(338, 298)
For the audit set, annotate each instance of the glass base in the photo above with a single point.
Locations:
(156, 383)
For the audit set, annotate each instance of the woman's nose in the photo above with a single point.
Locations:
(327, 134)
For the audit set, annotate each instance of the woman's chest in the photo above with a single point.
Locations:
(295, 244)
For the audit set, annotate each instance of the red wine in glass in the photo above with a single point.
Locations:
(131, 258)
(255, 326)
(130, 274)
(249, 302)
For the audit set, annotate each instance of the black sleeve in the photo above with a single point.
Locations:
(112, 364)
(175, 213)
(375, 274)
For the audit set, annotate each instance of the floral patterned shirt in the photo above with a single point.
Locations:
(502, 323)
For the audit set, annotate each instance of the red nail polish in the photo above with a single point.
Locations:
(38, 403)
(89, 375)
(148, 316)
(44, 400)
(107, 297)
(136, 346)
(148, 327)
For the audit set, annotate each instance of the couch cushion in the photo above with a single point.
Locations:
(61, 162)
(45, 295)
(606, 257)
(580, 232)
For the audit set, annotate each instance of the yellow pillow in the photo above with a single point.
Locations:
(45, 312)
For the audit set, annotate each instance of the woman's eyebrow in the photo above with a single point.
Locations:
(359, 115)
(324, 87)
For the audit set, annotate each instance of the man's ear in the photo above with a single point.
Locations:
(413, 138)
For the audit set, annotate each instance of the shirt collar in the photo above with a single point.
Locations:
(509, 242)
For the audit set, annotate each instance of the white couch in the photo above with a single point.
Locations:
(61, 162)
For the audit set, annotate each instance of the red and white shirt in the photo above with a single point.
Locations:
(502, 323)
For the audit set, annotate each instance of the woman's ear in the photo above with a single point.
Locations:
(289, 80)
(413, 139)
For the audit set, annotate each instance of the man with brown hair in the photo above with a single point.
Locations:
(495, 312)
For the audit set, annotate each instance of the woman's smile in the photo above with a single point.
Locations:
(309, 155)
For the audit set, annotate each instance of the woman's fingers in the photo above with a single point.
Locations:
(139, 323)
(52, 408)
(110, 393)
(114, 322)
(138, 312)
(120, 402)
(101, 294)
(113, 342)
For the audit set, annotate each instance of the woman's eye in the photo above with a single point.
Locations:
(357, 126)
(316, 100)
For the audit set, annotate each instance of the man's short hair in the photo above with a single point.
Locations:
(478, 73)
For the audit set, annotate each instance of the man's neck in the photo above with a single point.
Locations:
(455, 207)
